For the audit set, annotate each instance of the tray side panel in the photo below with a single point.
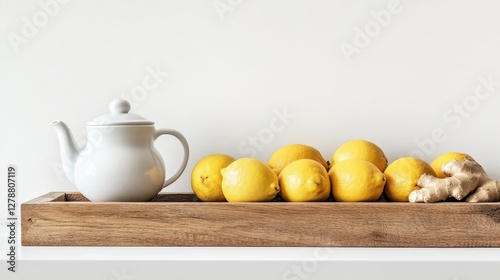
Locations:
(262, 224)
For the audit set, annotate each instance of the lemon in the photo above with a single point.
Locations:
(356, 180)
(304, 180)
(292, 152)
(402, 177)
(362, 150)
(206, 179)
(250, 180)
(438, 163)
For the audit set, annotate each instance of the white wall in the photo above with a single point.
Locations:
(230, 72)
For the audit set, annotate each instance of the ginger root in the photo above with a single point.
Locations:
(466, 177)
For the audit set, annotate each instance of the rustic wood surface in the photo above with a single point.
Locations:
(68, 219)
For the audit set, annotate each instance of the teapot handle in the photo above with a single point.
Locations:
(185, 145)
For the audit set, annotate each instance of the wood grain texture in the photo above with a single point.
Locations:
(59, 219)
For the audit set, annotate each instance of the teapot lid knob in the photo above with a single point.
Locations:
(119, 106)
(119, 116)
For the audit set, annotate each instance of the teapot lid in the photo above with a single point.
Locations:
(119, 116)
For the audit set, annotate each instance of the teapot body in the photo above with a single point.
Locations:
(120, 163)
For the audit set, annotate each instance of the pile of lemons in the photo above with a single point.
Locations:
(358, 172)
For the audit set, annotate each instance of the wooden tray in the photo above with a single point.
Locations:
(68, 219)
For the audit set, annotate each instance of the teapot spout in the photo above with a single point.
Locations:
(69, 149)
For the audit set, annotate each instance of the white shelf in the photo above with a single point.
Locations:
(259, 254)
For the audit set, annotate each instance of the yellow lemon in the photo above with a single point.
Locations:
(304, 180)
(356, 180)
(206, 179)
(362, 150)
(438, 163)
(402, 177)
(290, 153)
(250, 180)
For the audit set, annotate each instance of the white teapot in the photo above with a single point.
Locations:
(119, 162)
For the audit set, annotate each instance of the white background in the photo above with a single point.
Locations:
(232, 65)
